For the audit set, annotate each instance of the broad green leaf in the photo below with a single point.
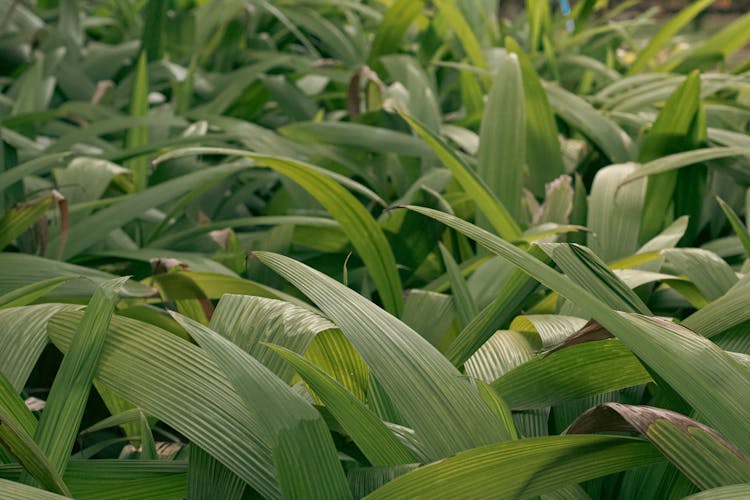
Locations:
(498, 406)
(399, 16)
(603, 132)
(430, 314)
(17, 220)
(501, 353)
(368, 138)
(67, 399)
(502, 137)
(734, 492)
(552, 329)
(539, 18)
(303, 452)
(365, 480)
(250, 322)
(700, 452)
(23, 332)
(354, 219)
(668, 349)
(721, 314)
(375, 440)
(138, 135)
(455, 19)
(18, 491)
(16, 429)
(333, 353)
(163, 375)
(120, 479)
(208, 478)
(423, 100)
(465, 306)
(495, 315)
(495, 212)
(676, 161)
(543, 154)
(80, 236)
(586, 269)
(669, 134)
(722, 44)
(36, 166)
(614, 213)
(522, 468)
(737, 226)
(706, 270)
(152, 40)
(27, 294)
(667, 31)
(571, 373)
(334, 40)
(424, 387)
(172, 238)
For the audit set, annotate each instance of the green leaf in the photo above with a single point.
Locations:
(669, 350)
(36, 166)
(251, 322)
(676, 161)
(722, 44)
(445, 412)
(334, 354)
(368, 138)
(712, 275)
(18, 219)
(495, 315)
(81, 237)
(502, 137)
(522, 468)
(614, 213)
(669, 134)
(27, 294)
(721, 314)
(305, 457)
(665, 34)
(497, 214)
(16, 426)
(17, 491)
(734, 492)
(67, 399)
(163, 375)
(23, 330)
(208, 478)
(138, 135)
(583, 267)
(399, 16)
(462, 299)
(737, 226)
(603, 132)
(543, 153)
(20, 270)
(155, 17)
(375, 440)
(355, 220)
(571, 373)
(455, 19)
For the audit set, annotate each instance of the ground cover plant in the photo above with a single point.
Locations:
(383, 249)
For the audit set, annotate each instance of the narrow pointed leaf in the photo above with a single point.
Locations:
(424, 387)
(375, 440)
(521, 469)
(303, 451)
(355, 220)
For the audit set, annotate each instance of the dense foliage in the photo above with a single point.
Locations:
(383, 248)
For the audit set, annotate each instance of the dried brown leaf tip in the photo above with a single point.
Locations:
(590, 332)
